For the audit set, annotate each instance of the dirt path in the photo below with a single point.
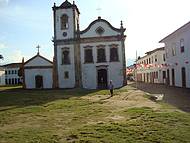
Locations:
(131, 99)
(135, 97)
(178, 97)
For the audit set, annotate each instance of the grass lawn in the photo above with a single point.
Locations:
(88, 116)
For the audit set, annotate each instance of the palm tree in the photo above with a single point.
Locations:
(1, 57)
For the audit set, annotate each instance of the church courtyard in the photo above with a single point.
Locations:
(76, 115)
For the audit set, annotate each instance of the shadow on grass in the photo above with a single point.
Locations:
(178, 97)
(16, 98)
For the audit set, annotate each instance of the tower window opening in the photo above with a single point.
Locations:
(64, 22)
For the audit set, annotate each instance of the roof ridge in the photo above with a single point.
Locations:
(38, 55)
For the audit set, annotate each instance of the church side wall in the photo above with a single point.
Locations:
(89, 70)
(116, 74)
(30, 77)
(70, 68)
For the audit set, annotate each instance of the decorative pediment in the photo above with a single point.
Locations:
(100, 30)
(38, 60)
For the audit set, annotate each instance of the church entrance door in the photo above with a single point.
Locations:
(102, 78)
(39, 81)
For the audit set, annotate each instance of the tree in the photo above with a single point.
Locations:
(1, 57)
(20, 72)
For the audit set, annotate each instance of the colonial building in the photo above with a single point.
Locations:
(177, 47)
(11, 73)
(86, 58)
(130, 72)
(2, 76)
(37, 73)
(152, 68)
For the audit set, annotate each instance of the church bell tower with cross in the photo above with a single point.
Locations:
(66, 45)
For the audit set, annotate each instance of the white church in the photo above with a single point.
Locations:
(87, 58)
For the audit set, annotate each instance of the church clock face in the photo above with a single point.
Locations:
(64, 34)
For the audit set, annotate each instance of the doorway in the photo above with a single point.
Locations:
(173, 77)
(147, 77)
(183, 76)
(102, 78)
(39, 81)
(164, 76)
(168, 77)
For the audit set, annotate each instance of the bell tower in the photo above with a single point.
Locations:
(66, 17)
(66, 45)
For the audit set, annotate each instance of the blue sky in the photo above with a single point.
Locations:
(24, 24)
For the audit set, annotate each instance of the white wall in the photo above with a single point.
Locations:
(30, 77)
(179, 58)
(115, 69)
(31, 71)
(70, 82)
(2, 77)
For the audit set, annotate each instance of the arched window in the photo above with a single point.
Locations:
(182, 49)
(114, 54)
(64, 22)
(114, 57)
(101, 55)
(88, 56)
(65, 56)
(66, 74)
(174, 49)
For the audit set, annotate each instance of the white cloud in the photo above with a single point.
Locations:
(2, 46)
(13, 57)
(10, 55)
(16, 56)
(4, 2)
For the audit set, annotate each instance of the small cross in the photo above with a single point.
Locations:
(38, 47)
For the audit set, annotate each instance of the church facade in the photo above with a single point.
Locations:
(37, 73)
(87, 58)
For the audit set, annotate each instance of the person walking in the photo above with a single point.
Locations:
(111, 88)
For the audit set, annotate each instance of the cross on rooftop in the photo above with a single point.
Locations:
(38, 47)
